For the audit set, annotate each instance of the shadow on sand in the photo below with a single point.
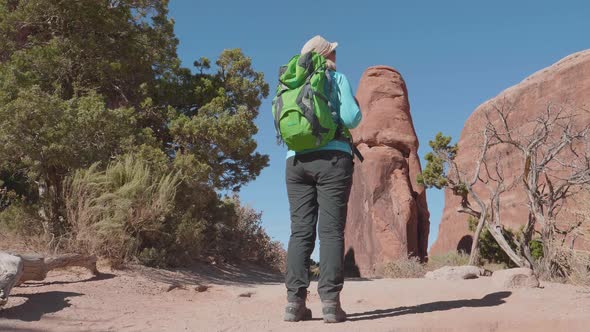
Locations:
(5, 328)
(221, 274)
(38, 305)
(490, 300)
(101, 276)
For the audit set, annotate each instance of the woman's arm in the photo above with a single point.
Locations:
(349, 111)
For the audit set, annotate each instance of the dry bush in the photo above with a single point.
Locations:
(580, 259)
(452, 258)
(15, 242)
(276, 256)
(409, 267)
(246, 240)
(493, 267)
(111, 212)
(580, 268)
(314, 270)
(455, 258)
(131, 211)
(569, 263)
(576, 263)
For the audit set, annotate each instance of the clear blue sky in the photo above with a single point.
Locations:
(454, 55)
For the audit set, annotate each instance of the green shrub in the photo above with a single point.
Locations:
(20, 220)
(153, 257)
(489, 250)
(536, 247)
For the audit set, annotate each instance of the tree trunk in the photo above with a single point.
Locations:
(45, 219)
(474, 256)
(16, 269)
(499, 237)
(11, 270)
(49, 188)
(527, 236)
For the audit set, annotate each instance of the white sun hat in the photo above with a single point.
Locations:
(319, 45)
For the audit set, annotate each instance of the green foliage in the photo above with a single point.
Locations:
(489, 249)
(49, 136)
(435, 173)
(69, 47)
(7, 197)
(104, 131)
(153, 257)
(472, 223)
(536, 247)
(21, 220)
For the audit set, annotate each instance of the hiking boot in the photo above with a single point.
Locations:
(333, 312)
(296, 311)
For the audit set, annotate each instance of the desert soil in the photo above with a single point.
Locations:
(246, 299)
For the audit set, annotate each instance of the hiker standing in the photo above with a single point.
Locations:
(313, 110)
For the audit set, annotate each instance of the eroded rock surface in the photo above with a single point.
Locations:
(387, 214)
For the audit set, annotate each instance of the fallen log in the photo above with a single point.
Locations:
(16, 269)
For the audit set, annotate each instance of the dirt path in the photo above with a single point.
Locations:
(139, 299)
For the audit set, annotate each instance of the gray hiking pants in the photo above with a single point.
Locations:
(317, 181)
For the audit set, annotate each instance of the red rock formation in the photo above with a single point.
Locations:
(567, 81)
(387, 215)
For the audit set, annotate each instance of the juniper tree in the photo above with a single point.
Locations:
(92, 81)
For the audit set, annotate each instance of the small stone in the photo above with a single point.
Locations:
(246, 294)
(515, 278)
(202, 288)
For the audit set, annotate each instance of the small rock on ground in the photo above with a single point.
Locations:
(246, 294)
(202, 288)
(515, 278)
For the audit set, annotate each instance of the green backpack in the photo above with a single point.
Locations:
(302, 113)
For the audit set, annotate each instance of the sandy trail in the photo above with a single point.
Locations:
(138, 299)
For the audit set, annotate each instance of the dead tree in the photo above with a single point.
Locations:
(555, 159)
(554, 152)
(462, 183)
(16, 269)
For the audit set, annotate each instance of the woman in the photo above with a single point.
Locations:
(318, 186)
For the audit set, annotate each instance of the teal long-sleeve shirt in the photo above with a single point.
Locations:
(342, 99)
